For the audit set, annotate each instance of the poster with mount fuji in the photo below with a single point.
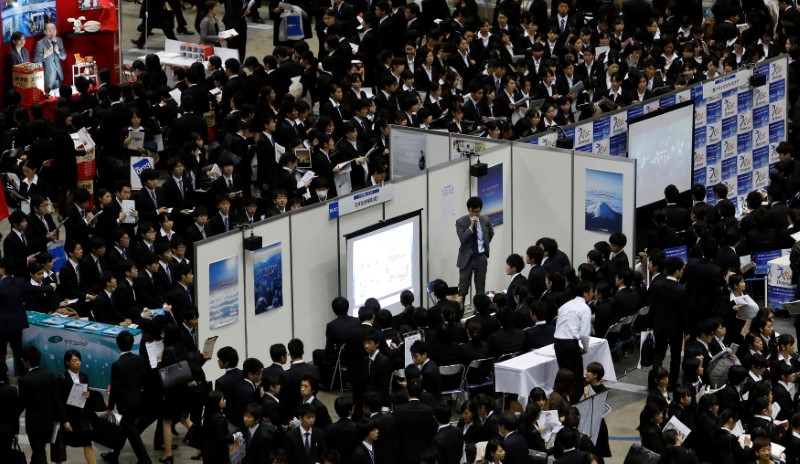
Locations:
(603, 201)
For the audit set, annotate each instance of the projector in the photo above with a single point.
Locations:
(252, 243)
(478, 169)
(757, 80)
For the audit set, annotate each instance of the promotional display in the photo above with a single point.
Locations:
(736, 129)
(603, 201)
(268, 278)
(97, 342)
(780, 288)
(490, 190)
(223, 308)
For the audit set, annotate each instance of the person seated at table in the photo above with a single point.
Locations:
(561, 398)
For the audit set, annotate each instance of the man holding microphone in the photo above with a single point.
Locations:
(50, 52)
(475, 233)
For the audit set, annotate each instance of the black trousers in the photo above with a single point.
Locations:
(13, 338)
(38, 441)
(675, 342)
(568, 356)
(132, 433)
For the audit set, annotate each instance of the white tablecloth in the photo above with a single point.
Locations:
(538, 368)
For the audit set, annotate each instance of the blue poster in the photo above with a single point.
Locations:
(490, 190)
(603, 201)
(223, 292)
(681, 252)
(268, 278)
(28, 17)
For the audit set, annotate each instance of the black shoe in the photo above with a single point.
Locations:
(196, 457)
(137, 43)
(166, 460)
(183, 30)
(110, 456)
(161, 447)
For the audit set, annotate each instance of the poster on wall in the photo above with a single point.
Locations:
(603, 201)
(408, 154)
(268, 278)
(490, 190)
(27, 16)
(223, 292)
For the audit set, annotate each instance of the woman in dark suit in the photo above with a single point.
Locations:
(216, 438)
(504, 103)
(650, 420)
(175, 407)
(77, 427)
(350, 148)
(106, 215)
(18, 54)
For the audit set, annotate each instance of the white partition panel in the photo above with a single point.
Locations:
(604, 190)
(542, 196)
(411, 195)
(448, 190)
(271, 326)
(501, 245)
(213, 251)
(438, 148)
(315, 267)
(351, 223)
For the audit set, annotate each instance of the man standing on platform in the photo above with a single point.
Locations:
(475, 233)
(573, 328)
(50, 52)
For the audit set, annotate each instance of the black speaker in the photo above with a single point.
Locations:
(478, 169)
(757, 80)
(568, 143)
(252, 243)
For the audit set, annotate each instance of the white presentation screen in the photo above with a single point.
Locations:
(383, 260)
(662, 144)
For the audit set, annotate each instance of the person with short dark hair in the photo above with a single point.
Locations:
(341, 436)
(448, 441)
(475, 233)
(290, 392)
(431, 378)
(39, 400)
(669, 315)
(364, 452)
(573, 329)
(305, 437)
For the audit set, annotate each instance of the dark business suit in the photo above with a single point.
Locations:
(128, 377)
(145, 206)
(39, 399)
(37, 232)
(431, 379)
(293, 444)
(506, 340)
(342, 437)
(259, 445)
(626, 302)
(16, 252)
(516, 449)
(536, 281)
(516, 282)
(415, 428)
(669, 310)
(77, 227)
(379, 373)
(539, 335)
(290, 392)
(449, 443)
(470, 260)
(216, 438)
(229, 382)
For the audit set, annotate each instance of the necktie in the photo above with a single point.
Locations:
(475, 249)
(230, 184)
(307, 444)
(189, 295)
(77, 275)
(194, 335)
(180, 187)
(226, 224)
(153, 196)
(169, 274)
(99, 266)
(203, 231)
(371, 455)
(563, 24)
(83, 214)
(125, 254)
(44, 221)
(24, 240)
(369, 367)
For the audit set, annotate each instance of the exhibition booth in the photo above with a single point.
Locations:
(400, 236)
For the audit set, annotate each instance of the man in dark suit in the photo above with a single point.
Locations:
(258, 436)
(537, 274)
(364, 452)
(150, 200)
(309, 387)
(235, 18)
(678, 216)
(341, 435)
(78, 216)
(38, 398)
(415, 424)
(431, 378)
(148, 294)
(565, 442)
(475, 233)
(228, 359)
(72, 284)
(92, 266)
(626, 301)
(540, 333)
(337, 330)
(305, 444)
(509, 339)
(128, 376)
(15, 245)
(290, 392)
(702, 277)
(13, 319)
(388, 447)
(514, 267)
(515, 445)
(286, 180)
(222, 221)
(448, 441)
(669, 310)
(377, 367)
(778, 211)
(247, 391)
(199, 229)
(178, 194)
(41, 228)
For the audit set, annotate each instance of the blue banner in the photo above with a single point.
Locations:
(761, 157)
(635, 112)
(700, 136)
(666, 101)
(760, 117)
(729, 168)
(777, 132)
(585, 148)
(777, 91)
(777, 295)
(762, 258)
(729, 126)
(602, 129)
(714, 153)
(714, 112)
(699, 176)
(745, 101)
(681, 252)
(619, 144)
(490, 190)
(745, 183)
(744, 142)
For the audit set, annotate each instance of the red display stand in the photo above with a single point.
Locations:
(103, 45)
